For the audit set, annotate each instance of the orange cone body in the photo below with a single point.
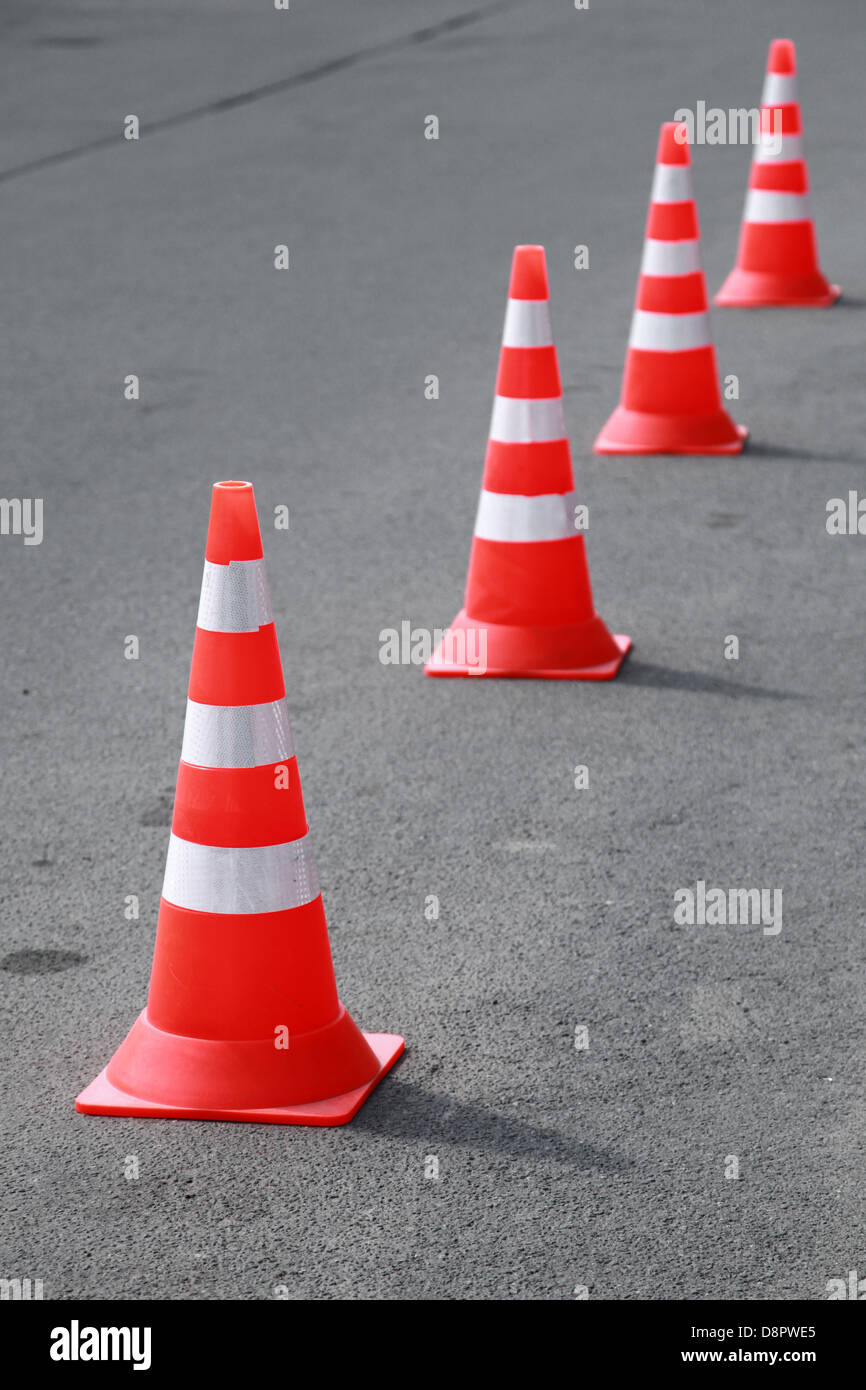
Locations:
(242, 1021)
(528, 609)
(777, 260)
(670, 401)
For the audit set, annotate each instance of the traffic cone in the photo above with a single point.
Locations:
(242, 1019)
(670, 402)
(777, 259)
(528, 609)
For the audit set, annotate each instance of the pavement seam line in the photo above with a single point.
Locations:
(269, 89)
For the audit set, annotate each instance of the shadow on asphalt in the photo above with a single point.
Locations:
(412, 1113)
(697, 682)
(783, 451)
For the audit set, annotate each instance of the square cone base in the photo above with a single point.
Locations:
(745, 289)
(605, 672)
(101, 1097)
(608, 442)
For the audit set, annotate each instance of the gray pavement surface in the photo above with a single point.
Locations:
(558, 1168)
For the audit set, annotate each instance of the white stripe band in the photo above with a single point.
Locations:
(766, 151)
(266, 878)
(779, 88)
(765, 206)
(506, 517)
(234, 597)
(518, 421)
(236, 735)
(669, 332)
(527, 324)
(670, 257)
(672, 183)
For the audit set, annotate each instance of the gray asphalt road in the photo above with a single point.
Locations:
(558, 1168)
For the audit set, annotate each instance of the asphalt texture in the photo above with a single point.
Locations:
(559, 1168)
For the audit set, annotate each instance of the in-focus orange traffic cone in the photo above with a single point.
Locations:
(242, 1020)
(777, 259)
(528, 609)
(670, 401)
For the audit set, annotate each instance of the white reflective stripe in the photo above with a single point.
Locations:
(790, 147)
(236, 735)
(505, 517)
(669, 332)
(234, 597)
(517, 421)
(267, 878)
(670, 257)
(672, 183)
(764, 206)
(779, 87)
(527, 324)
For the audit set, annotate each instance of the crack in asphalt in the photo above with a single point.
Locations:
(269, 89)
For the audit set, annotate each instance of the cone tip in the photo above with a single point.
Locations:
(233, 532)
(528, 274)
(673, 143)
(783, 57)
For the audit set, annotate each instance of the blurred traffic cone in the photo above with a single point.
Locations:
(670, 402)
(777, 259)
(242, 1020)
(528, 609)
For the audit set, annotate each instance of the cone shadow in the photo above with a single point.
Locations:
(411, 1113)
(646, 674)
(784, 451)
